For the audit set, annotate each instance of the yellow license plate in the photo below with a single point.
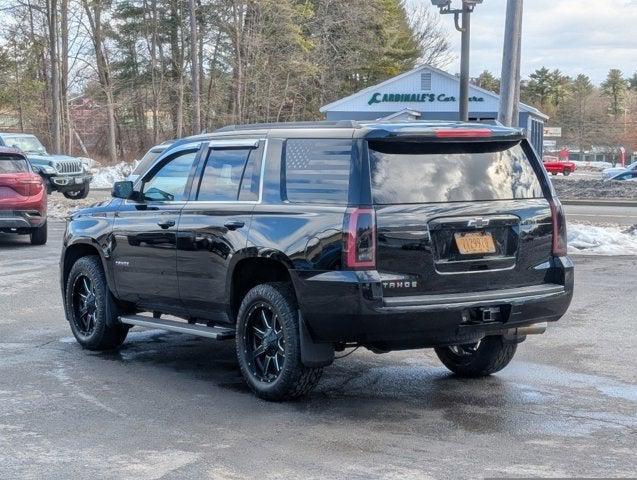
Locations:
(474, 243)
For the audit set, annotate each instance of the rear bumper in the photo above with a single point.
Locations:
(348, 306)
(20, 219)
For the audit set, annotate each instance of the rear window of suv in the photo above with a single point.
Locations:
(410, 172)
(13, 164)
(317, 170)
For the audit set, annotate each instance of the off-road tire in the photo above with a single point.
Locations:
(295, 379)
(491, 356)
(566, 172)
(39, 234)
(78, 194)
(108, 333)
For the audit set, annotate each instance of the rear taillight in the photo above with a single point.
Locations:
(29, 187)
(559, 229)
(359, 249)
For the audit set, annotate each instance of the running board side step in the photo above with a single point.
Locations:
(216, 333)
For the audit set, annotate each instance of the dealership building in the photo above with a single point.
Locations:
(428, 93)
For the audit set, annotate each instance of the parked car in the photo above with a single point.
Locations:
(629, 175)
(611, 172)
(300, 240)
(555, 165)
(147, 160)
(61, 173)
(22, 197)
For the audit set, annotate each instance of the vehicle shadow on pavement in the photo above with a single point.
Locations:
(383, 387)
(192, 357)
(389, 392)
(12, 241)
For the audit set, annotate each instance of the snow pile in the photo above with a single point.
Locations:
(105, 177)
(592, 239)
(592, 165)
(60, 207)
(588, 188)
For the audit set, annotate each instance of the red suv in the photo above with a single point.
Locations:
(22, 197)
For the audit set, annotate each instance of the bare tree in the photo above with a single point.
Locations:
(52, 17)
(194, 69)
(64, 75)
(430, 37)
(94, 10)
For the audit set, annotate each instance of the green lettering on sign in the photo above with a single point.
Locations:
(378, 97)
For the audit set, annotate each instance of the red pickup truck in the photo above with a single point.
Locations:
(555, 165)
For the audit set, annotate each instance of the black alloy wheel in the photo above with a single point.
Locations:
(489, 355)
(463, 352)
(90, 307)
(265, 341)
(84, 305)
(268, 344)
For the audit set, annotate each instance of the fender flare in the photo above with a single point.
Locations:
(87, 242)
(254, 253)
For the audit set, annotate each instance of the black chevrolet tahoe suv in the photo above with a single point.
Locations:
(302, 240)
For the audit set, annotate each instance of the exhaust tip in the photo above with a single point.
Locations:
(535, 329)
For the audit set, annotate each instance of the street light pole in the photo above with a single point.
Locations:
(463, 13)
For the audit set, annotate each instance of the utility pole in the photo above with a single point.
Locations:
(510, 78)
(464, 63)
(463, 13)
(515, 118)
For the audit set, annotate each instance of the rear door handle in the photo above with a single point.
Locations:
(234, 224)
(166, 224)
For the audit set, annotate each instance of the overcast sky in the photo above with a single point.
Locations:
(576, 36)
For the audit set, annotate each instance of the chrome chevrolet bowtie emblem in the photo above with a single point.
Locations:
(478, 222)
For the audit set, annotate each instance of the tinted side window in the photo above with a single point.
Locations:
(251, 180)
(169, 183)
(317, 170)
(222, 174)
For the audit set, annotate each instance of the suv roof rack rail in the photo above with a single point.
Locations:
(280, 125)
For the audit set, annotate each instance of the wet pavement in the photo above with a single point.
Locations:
(173, 406)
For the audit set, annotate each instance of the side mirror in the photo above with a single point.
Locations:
(123, 189)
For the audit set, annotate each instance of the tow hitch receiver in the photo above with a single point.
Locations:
(480, 315)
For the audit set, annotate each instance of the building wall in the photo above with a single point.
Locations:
(447, 116)
(435, 95)
(431, 92)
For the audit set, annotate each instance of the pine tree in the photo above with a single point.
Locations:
(614, 87)
(488, 81)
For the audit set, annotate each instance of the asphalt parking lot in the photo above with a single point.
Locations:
(172, 406)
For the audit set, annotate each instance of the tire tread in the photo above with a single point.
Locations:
(299, 380)
(112, 334)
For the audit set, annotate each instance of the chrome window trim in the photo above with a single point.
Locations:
(234, 143)
(187, 146)
(239, 143)
(246, 143)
